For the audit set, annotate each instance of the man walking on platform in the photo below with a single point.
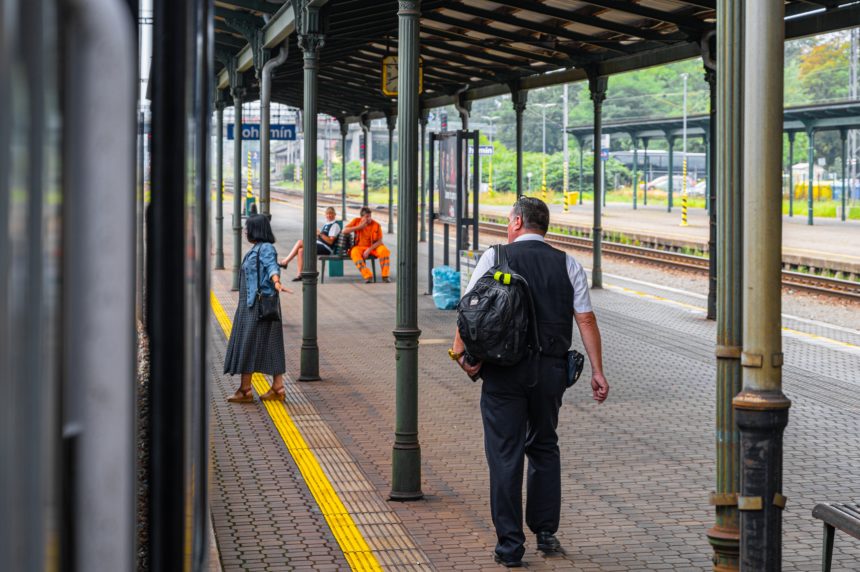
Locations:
(520, 417)
(368, 242)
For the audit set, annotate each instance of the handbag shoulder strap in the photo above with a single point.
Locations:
(259, 276)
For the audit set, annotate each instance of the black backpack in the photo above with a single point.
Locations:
(496, 319)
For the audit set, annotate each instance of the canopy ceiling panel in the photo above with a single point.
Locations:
(484, 47)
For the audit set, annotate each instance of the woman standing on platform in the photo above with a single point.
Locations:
(257, 345)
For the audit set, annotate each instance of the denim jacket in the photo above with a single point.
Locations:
(268, 266)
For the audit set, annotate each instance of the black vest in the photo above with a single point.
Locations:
(545, 269)
(324, 231)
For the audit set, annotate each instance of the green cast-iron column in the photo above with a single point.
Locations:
(406, 453)
(518, 100)
(238, 94)
(344, 129)
(843, 135)
(670, 140)
(810, 133)
(711, 178)
(391, 123)
(422, 119)
(791, 135)
(310, 41)
(219, 185)
(635, 170)
(597, 89)
(727, 138)
(761, 409)
(365, 157)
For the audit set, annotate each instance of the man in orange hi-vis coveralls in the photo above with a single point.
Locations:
(368, 242)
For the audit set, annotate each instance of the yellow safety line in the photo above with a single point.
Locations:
(700, 309)
(355, 549)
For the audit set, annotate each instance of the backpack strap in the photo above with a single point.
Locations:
(506, 275)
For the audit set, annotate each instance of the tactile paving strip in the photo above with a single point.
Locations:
(336, 482)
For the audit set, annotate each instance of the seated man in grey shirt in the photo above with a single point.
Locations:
(326, 237)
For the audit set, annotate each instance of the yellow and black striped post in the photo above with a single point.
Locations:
(565, 181)
(249, 189)
(543, 180)
(684, 194)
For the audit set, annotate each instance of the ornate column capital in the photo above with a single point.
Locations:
(239, 92)
(250, 27)
(409, 8)
(310, 27)
(597, 87)
(518, 96)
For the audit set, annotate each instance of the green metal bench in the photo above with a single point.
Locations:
(340, 254)
(845, 517)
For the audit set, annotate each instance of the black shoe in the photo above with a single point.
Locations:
(368, 280)
(507, 563)
(386, 279)
(547, 542)
(297, 279)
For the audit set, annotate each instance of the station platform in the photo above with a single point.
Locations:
(303, 485)
(829, 243)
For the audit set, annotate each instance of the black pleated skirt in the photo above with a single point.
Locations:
(254, 347)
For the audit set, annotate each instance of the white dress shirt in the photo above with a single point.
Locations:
(578, 279)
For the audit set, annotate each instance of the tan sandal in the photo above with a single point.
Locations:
(242, 396)
(273, 395)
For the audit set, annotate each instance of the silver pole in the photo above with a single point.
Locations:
(238, 93)
(565, 137)
(265, 135)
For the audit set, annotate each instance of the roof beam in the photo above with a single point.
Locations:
(593, 21)
(829, 20)
(638, 10)
(505, 49)
(256, 5)
(558, 31)
(229, 40)
(429, 44)
(280, 26)
(574, 57)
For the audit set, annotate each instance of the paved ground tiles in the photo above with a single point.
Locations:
(637, 470)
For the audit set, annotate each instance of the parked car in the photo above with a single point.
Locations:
(662, 184)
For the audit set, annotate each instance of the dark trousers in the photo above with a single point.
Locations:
(521, 421)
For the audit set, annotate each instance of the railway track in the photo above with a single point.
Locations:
(676, 260)
(798, 280)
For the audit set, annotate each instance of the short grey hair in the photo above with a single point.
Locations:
(534, 212)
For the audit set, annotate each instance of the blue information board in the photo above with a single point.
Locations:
(251, 132)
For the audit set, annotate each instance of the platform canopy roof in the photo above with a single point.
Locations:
(481, 48)
(826, 117)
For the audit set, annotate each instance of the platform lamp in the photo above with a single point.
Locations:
(543, 107)
(491, 119)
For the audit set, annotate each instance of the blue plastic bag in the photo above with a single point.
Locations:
(446, 287)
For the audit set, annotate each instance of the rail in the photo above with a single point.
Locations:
(668, 259)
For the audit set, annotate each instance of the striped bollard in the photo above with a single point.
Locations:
(684, 196)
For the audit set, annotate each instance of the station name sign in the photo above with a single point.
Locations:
(251, 132)
(482, 150)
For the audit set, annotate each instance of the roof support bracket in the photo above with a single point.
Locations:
(255, 37)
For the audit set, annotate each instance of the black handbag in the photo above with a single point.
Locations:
(268, 305)
(575, 363)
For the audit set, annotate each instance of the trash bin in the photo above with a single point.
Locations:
(446, 287)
